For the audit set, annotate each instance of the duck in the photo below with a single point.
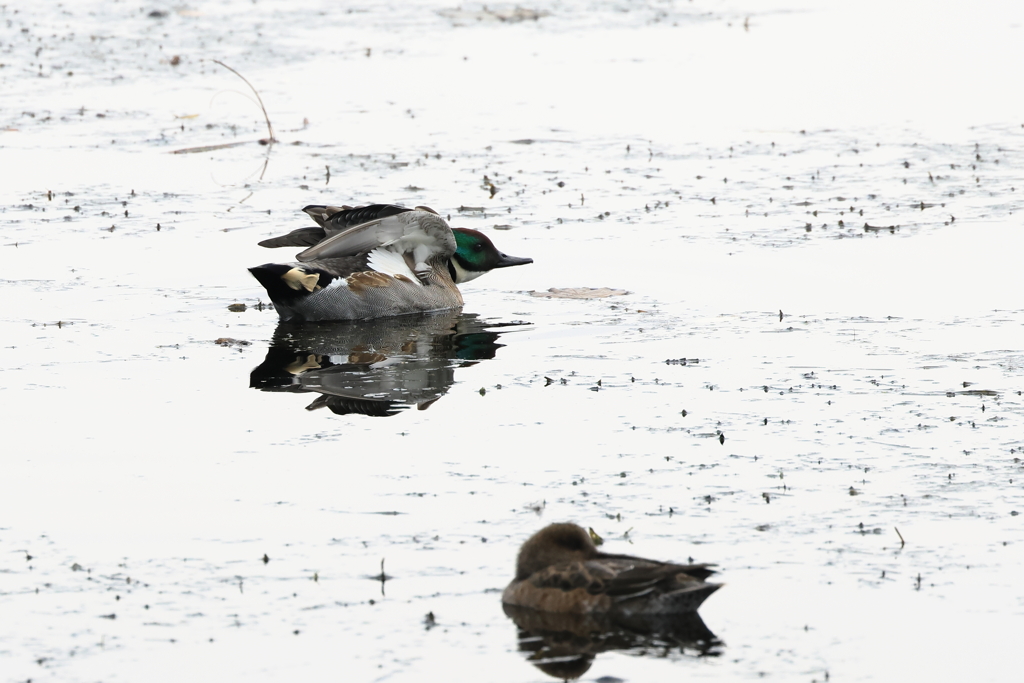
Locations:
(376, 261)
(560, 570)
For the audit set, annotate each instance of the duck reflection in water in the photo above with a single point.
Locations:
(572, 602)
(376, 367)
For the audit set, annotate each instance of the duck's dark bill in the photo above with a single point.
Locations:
(504, 261)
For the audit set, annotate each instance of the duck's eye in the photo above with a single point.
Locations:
(478, 247)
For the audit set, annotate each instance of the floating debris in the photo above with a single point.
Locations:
(228, 341)
(579, 293)
(505, 15)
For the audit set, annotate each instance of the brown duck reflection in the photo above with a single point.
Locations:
(376, 367)
(564, 646)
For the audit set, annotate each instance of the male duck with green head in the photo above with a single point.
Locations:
(376, 261)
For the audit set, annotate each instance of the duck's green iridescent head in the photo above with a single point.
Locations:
(475, 255)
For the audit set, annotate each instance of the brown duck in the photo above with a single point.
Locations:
(559, 569)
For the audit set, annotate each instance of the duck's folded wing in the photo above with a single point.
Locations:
(340, 218)
(331, 221)
(628, 577)
(358, 240)
(423, 233)
(303, 237)
(321, 213)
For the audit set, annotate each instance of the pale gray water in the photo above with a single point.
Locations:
(887, 396)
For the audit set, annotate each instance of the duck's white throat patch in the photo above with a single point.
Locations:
(463, 275)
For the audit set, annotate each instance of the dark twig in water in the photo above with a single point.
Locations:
(207, 148)
(382, 577)
(266, 141)
(902, 542)
(270, 129)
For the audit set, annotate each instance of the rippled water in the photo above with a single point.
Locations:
(814, 208)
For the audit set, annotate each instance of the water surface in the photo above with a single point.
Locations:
(814, 209)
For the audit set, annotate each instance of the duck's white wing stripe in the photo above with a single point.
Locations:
(385, 261)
